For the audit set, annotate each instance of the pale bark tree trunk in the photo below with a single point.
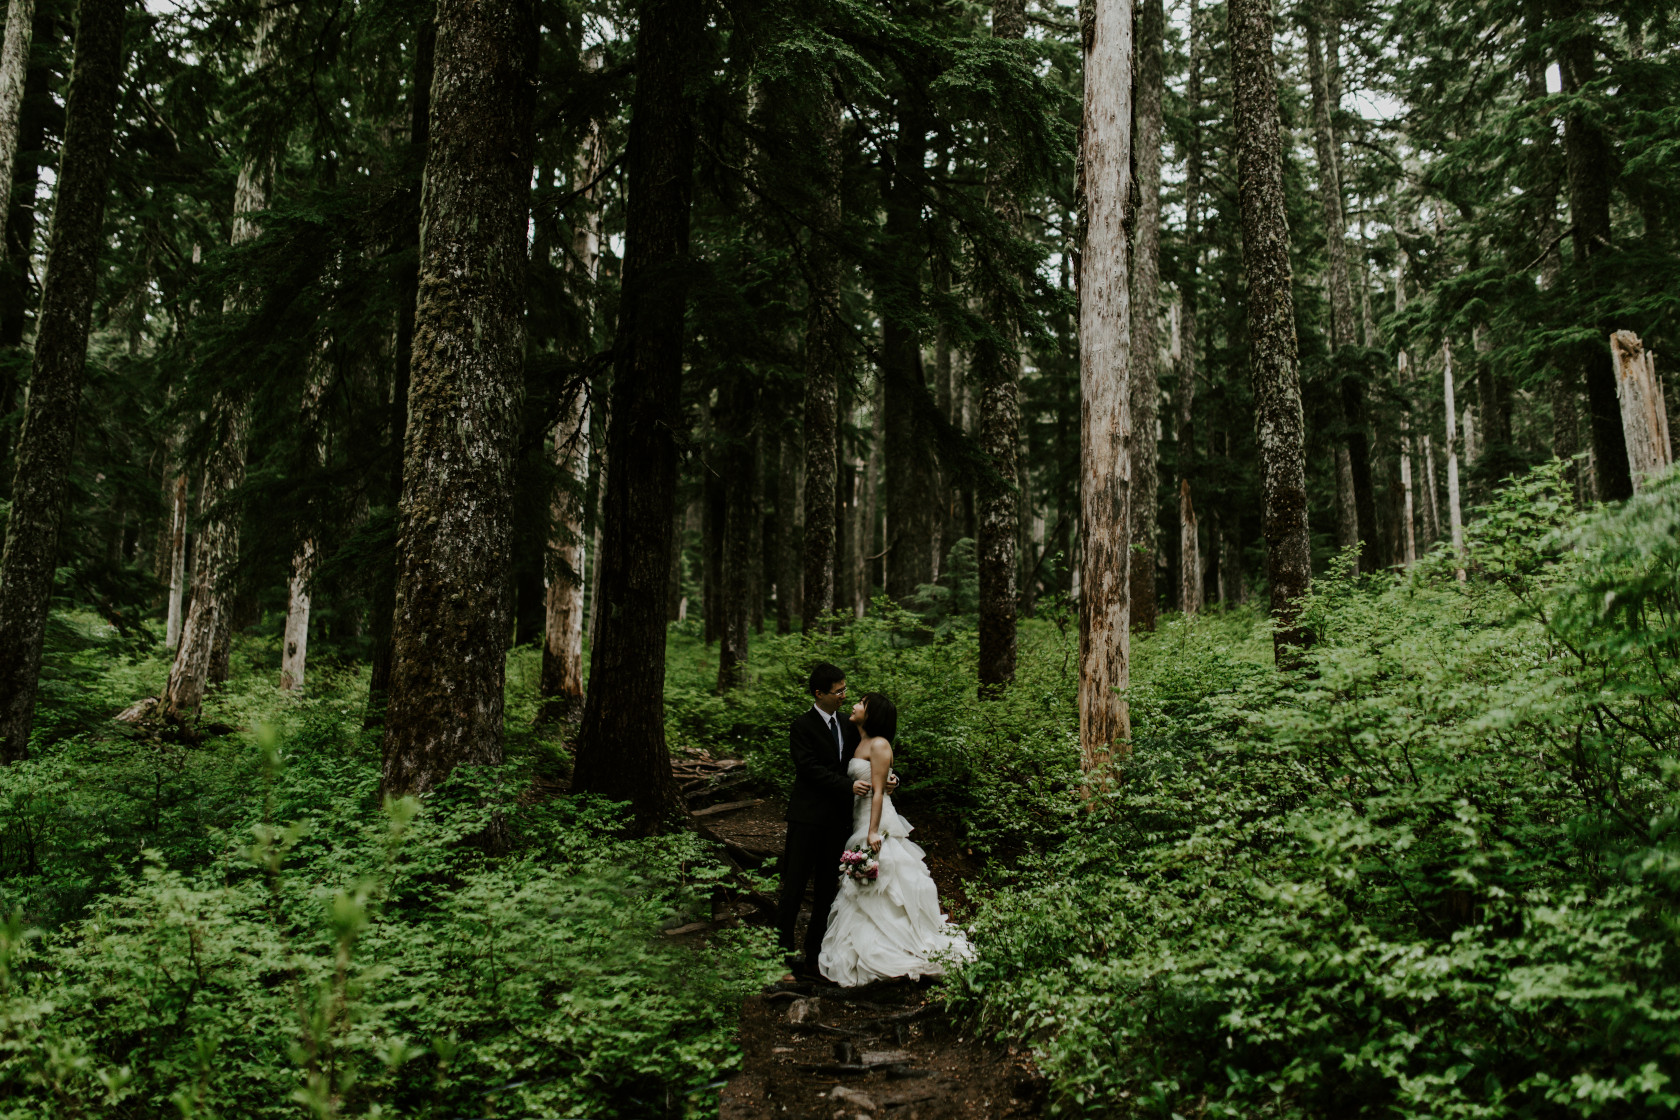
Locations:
(41, 479)
(294, 649)
(1403, 373)
(1356, 474)
(450, 633)
(206, 635)
(177, 560)
(294, 654)
(1454, 508)
(1105, 379)
(621, 750)
(824, 337)
(14, 69)
(997, 362)
(1271, 318)
(1469, 435)
(561, 683)
(1146, 297)
(1432, 489)
(1644, 411)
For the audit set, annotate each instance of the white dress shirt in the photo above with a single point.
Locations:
(834, 731)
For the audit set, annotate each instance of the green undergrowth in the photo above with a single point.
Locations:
(243, 929)
(1432, 874)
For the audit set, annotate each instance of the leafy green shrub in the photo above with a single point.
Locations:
(345, 960)
(1433, 874)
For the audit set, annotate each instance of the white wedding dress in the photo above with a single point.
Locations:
(890, 926)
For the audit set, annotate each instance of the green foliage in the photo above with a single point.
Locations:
(1433, 874)
(242, 930)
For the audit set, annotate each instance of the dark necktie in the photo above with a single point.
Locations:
(839, 748)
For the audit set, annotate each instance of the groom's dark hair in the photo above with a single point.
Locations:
(824, 677)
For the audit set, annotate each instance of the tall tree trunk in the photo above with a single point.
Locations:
(206, 635)
(1350, 390)
(824, 337)
(1271, 320)
(874, 469)
(912, 473)
(384, 605)
(997, 364)
(1403, 373)
(1432, 489)
(450, 633)
(755, 528)
(1105, 379)
(789, 534)
(621, 745)
(14, 67)
(1644, 411)
(561, 684)
(40, 483)
(1147, 84)
(37, 110)
(1454, 508)
(1590, 165)
(1189, 580)
(294, 647)
(177, 559)
(735, 464)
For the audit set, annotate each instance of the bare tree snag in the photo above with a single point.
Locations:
(450, 631)
(1105, 379)
(41, 479)
(1455, 509)
(1644, 411)
(621, 751)
(1274, 359)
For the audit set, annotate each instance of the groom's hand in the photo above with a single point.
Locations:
(862, 787)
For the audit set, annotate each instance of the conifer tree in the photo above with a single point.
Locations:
(49, 430)
(450, 630)
(1273, 360)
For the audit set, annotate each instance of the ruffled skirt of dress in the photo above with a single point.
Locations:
(891, 926)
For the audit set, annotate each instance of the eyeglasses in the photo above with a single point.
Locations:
(841, 691)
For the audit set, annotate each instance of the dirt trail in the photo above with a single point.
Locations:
(821, 1052)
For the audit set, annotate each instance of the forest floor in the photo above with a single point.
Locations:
(816, 1051)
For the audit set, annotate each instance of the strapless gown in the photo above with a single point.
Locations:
(890, 926)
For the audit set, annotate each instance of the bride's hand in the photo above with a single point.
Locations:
(861, 787)
(875, 841)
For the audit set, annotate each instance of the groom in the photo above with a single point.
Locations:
(819, 812)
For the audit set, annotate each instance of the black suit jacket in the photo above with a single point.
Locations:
(822, 794)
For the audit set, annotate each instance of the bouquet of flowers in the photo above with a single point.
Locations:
(860, 863)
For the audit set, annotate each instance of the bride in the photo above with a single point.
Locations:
(890, 926)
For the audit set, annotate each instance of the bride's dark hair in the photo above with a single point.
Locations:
(880, 715)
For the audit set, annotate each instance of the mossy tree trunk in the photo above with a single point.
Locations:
(450, 630)
(39, 485)
(38, 109)
(621, 750)
(1274, 358)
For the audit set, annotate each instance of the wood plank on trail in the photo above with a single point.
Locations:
(728, 806)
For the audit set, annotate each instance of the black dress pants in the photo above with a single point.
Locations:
(812, 849)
